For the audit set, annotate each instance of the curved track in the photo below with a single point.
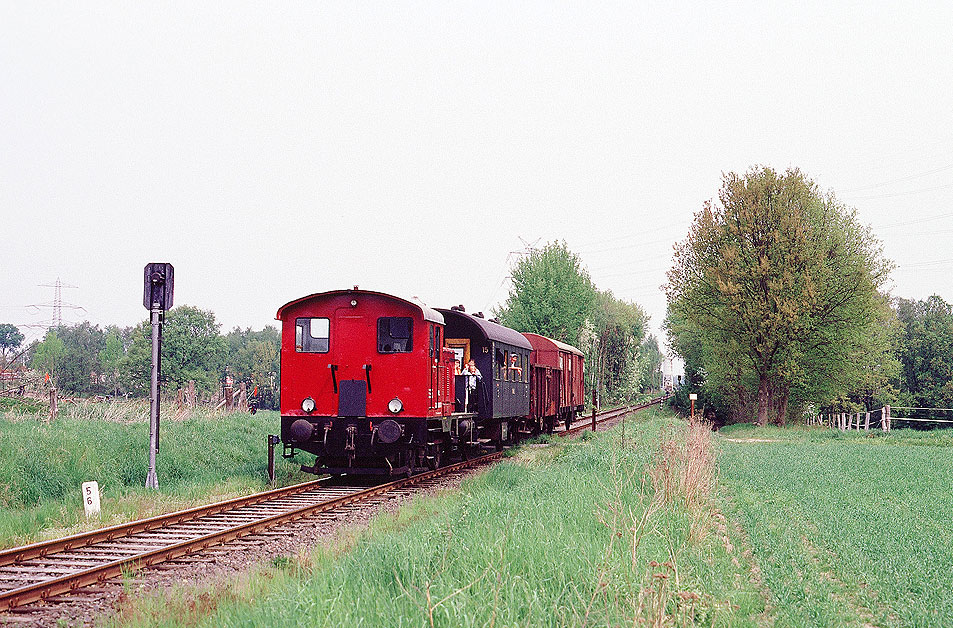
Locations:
(42, 571)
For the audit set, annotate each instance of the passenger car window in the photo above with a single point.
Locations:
(394, 334)
(312, 335)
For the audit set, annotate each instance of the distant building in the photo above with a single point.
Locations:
(672, 371)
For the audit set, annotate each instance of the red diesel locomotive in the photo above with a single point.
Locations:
(375, 384)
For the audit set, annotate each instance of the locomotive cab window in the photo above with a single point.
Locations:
(394, 334)
(312, 335)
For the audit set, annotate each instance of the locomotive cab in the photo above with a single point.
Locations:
(364, 382)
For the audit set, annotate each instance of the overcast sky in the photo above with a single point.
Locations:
(273, 150)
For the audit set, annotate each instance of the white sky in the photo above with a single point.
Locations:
(272, 150)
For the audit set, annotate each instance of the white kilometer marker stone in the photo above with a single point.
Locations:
(91, 498)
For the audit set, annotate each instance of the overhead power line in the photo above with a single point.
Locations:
(915, 221)
(897, 180)
(893, 194)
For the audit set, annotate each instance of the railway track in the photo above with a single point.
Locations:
(608, 416)
(50, 570)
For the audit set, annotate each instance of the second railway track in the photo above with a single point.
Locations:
(51, 569)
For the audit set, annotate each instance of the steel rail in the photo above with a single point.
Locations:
(44, 548)
(608, 415)
(98, 573)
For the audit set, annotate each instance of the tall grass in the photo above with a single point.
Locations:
(570, 534)
(43, 463)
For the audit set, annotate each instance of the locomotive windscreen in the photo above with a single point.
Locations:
(394, 334)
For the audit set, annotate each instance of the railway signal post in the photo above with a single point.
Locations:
(157, 298)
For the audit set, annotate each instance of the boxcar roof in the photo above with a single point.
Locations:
(543, 341)
(429, 314)
(491, 331)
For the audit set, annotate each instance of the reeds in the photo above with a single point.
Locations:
(683, 469)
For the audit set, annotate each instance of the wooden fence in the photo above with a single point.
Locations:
(882, 418)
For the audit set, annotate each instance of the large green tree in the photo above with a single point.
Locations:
(926, 351)
(253, 358)
(80, 371)
(781, 286)
(650, 362)
(192, 349)
(10, 340)
(48, 354)
(612, 340)
(110, 357)
(551, 295)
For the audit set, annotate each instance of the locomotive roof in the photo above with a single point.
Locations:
(492, 331)
(429, 314)
(562, 346)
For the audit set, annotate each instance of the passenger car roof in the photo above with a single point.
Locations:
(491, 331)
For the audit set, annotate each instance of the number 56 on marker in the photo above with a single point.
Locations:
(91, 498)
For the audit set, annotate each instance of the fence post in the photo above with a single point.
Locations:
(888, 419)
(272, 441)
(54, 406)
(883, 418)
(867, 422)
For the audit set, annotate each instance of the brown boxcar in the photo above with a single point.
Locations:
(558, 386)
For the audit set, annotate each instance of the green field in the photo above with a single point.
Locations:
(201, 459)
(848, 530)
(569, 534)
(750, 527)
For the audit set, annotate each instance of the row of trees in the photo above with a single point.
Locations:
(925, 353)
(84, 359)
(776, 302)
(553, 295)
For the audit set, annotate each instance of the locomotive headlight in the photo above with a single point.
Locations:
(395, 405)
(307, 405)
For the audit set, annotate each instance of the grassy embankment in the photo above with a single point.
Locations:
(849, 529)
(571, 534)
(845, 530)
(201, 459)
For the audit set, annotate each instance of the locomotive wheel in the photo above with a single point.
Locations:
(436, 458)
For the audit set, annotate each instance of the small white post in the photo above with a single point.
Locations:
(91, 499)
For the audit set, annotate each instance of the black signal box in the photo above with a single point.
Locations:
(157, 290)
